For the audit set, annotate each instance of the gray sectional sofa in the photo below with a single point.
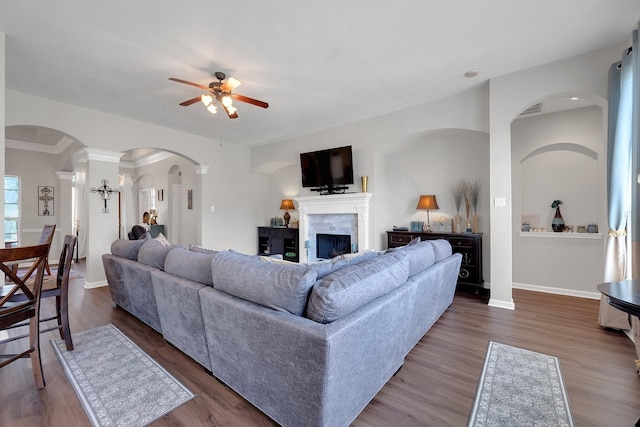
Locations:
(309, 345)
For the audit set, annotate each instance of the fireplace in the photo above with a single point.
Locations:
(333, 214)
(331, 245)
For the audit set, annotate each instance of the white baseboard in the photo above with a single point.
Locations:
(501, 304)
(557, 291)
(92, 285)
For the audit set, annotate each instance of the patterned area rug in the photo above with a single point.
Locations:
(116, 382)
(520, 388)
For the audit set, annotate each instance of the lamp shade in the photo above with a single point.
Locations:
(428, 202)
(286, 204)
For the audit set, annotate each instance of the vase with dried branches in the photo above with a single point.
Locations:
(458, 192)
(473, 190)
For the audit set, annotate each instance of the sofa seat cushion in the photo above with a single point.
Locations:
(421, 255)
(189, 265)
(279, 286)
(350, 288)
(153, 253)
(126, 248)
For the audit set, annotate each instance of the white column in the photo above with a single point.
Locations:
(64, 213)
(101, 228)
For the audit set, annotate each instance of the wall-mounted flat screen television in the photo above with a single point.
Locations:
(327, 168)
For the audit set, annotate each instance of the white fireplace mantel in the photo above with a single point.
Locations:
(334, 204)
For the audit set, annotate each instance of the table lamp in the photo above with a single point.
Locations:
(428, 202)
(285, 205)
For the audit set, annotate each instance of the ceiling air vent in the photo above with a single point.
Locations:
(535, 108)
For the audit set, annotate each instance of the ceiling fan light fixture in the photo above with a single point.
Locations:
(212, 108)
(231, 110)
(226, 101)
(206, 100)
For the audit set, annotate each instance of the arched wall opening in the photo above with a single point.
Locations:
(559, 155)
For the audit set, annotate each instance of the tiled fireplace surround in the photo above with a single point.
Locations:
(346, 214)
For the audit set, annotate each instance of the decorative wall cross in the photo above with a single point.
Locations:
(105, 192)
(45, 196)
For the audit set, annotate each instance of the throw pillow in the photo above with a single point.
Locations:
(162, 239)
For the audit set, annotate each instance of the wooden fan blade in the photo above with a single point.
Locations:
(250, 100)
(230, 84)
(190, 101)
(206, 88)
(231, 116)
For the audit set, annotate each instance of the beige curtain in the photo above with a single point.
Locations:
(614, 270)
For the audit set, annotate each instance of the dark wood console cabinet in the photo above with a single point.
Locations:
(467, 244)
(279, 240)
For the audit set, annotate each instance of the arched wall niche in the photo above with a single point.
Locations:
(559, 154)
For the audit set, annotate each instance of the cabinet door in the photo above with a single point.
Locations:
(263, 241)
(277, 243)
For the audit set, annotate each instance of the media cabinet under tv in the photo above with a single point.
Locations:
(279, 240)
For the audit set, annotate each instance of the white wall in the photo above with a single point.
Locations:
(559, 156)
(34, 170)
(227, 185)
(408, 141)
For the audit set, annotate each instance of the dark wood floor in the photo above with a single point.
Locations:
(435, 387)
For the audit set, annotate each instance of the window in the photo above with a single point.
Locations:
(11, 208)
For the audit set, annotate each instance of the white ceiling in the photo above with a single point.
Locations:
(318, 64)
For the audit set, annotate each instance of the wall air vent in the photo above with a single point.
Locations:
(535, 108)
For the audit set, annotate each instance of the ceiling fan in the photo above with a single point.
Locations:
(220, 92)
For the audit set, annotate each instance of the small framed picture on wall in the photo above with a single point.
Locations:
(189, 199)
(45, 200)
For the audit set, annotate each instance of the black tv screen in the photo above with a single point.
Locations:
(327, 168)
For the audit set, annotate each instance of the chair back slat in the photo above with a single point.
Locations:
(47, 234)
(15, 313)
(11, 256)
(66, 257)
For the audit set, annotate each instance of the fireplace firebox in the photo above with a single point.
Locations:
(331, 245)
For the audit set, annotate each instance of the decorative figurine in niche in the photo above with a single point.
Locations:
(557, 223)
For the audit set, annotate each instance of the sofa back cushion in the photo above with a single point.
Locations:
(200, 249)
(421, 255)
(153, 253)
(442, 249)
(126, 248)
(324, 268)
(283, 287)
(348, 289)
(189, 265)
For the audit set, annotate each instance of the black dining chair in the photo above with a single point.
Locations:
(58, 289)
(14, 313)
